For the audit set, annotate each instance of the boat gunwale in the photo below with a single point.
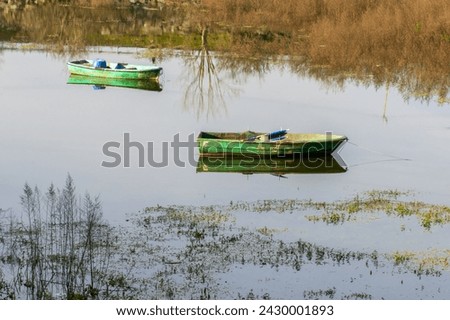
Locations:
(316, 138)
(136, 68)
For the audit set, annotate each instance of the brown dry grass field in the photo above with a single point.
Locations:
(339, 31)
(331, 32)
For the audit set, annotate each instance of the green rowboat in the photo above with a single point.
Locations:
(253, 144)
(148, 84)
(326, 164)
(113, 70)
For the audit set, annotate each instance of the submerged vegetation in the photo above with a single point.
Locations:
(59, 247)
(403, 44)
(386, 202)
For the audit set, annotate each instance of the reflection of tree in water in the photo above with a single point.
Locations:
(205, 91)
(385, 119)
(241, 67)
(415, 71)
(412, 82)
(74, 25)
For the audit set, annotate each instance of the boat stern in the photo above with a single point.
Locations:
(338, 142)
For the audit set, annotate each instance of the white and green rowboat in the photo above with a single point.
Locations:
(278, 143)
(115, 70)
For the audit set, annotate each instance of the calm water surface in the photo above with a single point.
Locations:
(50, 128)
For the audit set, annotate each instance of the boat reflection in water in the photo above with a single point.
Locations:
(102, 83)
(278, 166)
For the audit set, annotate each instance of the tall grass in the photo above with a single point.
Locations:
(340, 31)
(336, 32)
(59, 247)
(390, 33)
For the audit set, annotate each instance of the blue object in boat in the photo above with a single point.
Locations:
(99, 63)
(276, 135)
(278, 138)
(119, 66)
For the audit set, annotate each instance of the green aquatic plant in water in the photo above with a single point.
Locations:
(203, 252)
(191, 247)
(387, 202)
(402, 257)
(200, 244)
(432, 262)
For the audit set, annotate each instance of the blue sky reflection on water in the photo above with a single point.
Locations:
(50, 128)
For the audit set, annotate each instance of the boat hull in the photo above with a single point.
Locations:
(147, 84)
(235, 144)
(86, 68)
